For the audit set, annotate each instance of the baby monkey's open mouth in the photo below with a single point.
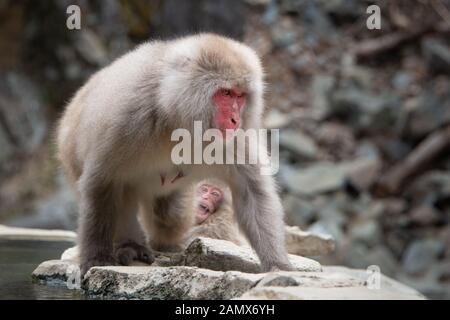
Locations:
(204, 209)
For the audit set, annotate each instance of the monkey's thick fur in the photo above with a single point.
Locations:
(114, 144)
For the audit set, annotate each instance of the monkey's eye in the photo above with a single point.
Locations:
(226, 92)
(215, 193)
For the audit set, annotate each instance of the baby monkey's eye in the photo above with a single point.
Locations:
(215, 193)
(226, 92)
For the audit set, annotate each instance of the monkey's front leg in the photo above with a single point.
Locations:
(98, 214)
(260, 215)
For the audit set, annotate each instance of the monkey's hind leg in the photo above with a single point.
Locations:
(129, 238)
(98, 213)
(166, 223)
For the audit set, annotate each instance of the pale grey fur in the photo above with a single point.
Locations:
(114, 142)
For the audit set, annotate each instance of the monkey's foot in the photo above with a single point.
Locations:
(104, 260)
(279, 267)
(129, 251)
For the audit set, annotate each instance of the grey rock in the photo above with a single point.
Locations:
(221, 16)
(304, 243)
(430, 187)
(298, 211)
(55, 272)
(367, 231)
(22, 114)
(282, 38)
(363, 172)
(430, 111)
(420, 255)
(166, 283)
(321, 88)
(314, 293)
(223, 255)
(327, 227)
(299, 143)
(58, 210)
(91, 47)
(275, 119)
(363, 109)
(386, 283)
(402, 80)
(359, 255)
(186, 282)
(437, 55)
(316, 179)
(424, 215)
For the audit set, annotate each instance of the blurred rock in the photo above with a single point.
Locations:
(367, 232)
(23, 122)
(298, 211)
(424, 215)
(299, 143)
(90, 46)
(316, 179)
(402, 80)
(337, 138)
(308, 244)
(276, 120)
(221, 16)
(430, 188)
(58, 210)
(363, 172)
(322, 86)
(365, 110)
(420, 255)
(437, 55)
(431, 109)
(326, 228)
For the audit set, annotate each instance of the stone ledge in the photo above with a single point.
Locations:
(13, 233)
(218, 269)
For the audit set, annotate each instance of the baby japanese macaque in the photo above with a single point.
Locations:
(213, 213)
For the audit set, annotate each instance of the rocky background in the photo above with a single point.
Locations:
(365, 114)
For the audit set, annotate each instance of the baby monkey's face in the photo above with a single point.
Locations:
(209, 199)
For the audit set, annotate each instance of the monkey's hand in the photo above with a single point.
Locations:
(104, 260)
(129, 251)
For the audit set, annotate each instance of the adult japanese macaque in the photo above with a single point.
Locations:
(213, 213)
(114, 142)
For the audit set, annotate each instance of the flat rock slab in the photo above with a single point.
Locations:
(221, 255)
(217, 269)
(337, 293)
(183, 282)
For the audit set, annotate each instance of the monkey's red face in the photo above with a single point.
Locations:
(229, 103)
(209, 200)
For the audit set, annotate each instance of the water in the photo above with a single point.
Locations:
(18, 259)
